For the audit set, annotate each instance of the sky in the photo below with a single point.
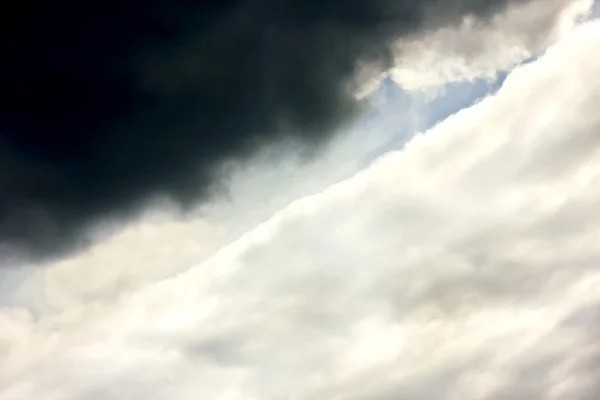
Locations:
(426, 230)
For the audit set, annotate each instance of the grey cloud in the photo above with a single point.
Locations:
(107, 107)
(331, 299)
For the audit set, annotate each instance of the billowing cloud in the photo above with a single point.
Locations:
(462, 266)
(473, 49)
(107, 106)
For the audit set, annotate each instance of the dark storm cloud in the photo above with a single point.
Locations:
(105, 104)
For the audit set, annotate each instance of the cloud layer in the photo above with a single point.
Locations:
(108, 105)
(472, 49)
(461, 267)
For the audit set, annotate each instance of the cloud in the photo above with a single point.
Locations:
(472, 49)
(463, 266)
(162, 242)
(107, 107)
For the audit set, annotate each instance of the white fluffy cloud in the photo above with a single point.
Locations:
(478, 49)
(464, 266)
